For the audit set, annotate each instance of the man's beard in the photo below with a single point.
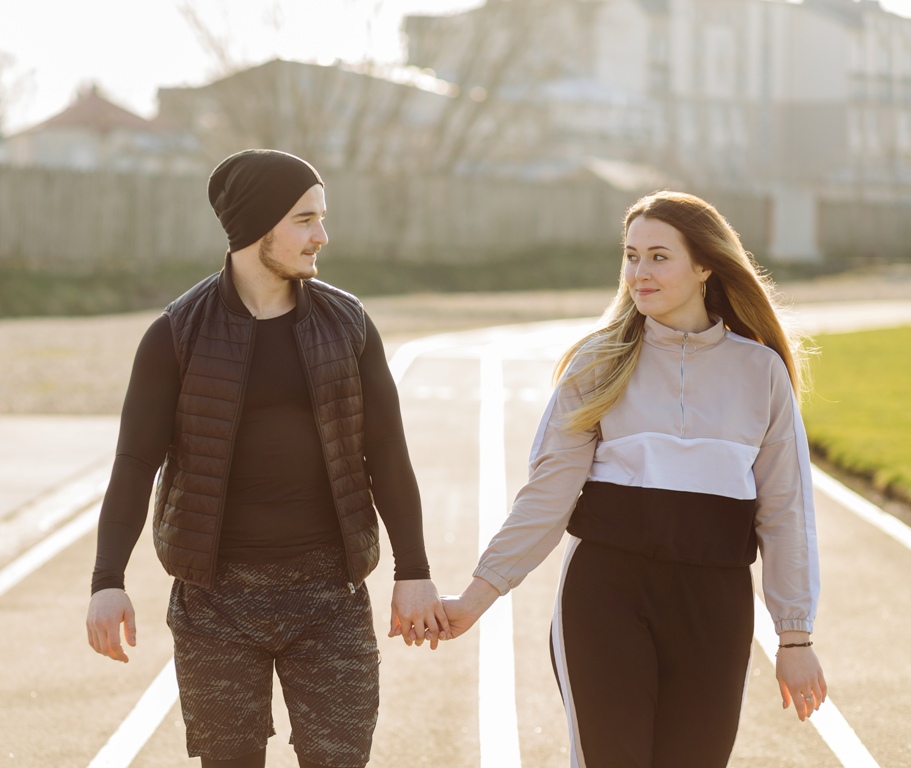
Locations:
(275, 267)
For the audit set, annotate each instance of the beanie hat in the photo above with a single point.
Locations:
(253, 190)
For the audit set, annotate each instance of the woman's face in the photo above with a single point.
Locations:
(663, 279)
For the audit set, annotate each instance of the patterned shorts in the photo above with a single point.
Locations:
(298, 616)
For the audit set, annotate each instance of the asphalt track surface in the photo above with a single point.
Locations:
(471, 403)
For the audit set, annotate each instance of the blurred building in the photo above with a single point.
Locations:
(746, 94)
(94, 134)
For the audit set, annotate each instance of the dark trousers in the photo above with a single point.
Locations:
(651, 657)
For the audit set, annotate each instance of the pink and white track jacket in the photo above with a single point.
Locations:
(703, 458)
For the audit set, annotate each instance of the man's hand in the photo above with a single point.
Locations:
(417, 613)
(107, 610)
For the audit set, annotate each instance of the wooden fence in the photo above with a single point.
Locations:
(85, 221)
(80, 222)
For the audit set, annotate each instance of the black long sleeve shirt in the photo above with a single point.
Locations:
(279, 501)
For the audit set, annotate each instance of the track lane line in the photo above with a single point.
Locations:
(129, 739)
(865, 510)
(48, 548)
(497, 716)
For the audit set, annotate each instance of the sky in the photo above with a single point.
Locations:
(129, 48)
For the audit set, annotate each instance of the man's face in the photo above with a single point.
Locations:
(289, 250)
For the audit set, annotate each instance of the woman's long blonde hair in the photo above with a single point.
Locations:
(736, 291)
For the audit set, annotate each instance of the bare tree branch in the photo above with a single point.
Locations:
(218, 47)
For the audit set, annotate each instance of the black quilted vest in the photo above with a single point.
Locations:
(213, 338)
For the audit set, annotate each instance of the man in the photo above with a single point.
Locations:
(264, 397)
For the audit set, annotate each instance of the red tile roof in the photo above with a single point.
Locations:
(91, 110)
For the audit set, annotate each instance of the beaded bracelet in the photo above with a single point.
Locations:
(795, 645)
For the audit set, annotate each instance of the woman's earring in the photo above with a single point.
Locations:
(703, 288)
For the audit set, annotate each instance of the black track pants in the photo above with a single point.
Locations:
(651, 658)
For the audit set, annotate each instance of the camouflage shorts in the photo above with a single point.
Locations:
(298, 616)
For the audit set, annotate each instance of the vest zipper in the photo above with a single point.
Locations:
(351, 588)
(682, 386)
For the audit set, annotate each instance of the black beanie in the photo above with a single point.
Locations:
(253, 190)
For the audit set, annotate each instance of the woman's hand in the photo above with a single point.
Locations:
(800, 677)
(463, 611)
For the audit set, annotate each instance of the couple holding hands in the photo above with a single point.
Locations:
(671, 451)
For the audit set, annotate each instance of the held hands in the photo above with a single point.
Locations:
(460, 618)
(439, 620)
(417, 613)
(463, 611)
(107, 610)
(799, 675)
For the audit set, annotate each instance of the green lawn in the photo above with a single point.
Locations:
(859, 414)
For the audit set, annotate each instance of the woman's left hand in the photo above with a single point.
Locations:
(800, 679)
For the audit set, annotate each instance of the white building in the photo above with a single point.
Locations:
(745, 94)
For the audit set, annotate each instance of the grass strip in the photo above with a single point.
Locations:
(859, 415)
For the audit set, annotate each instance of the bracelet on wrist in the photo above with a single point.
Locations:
(795, 645)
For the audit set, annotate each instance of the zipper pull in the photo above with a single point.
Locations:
(685, 346)
(351, 588)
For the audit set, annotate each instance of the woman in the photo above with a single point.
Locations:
(677, 420)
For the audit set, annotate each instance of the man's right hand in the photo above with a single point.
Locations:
(107, 610)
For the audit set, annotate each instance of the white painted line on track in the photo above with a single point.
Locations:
(497, 716)
(26, 526)
(828, 721)
(58, 504)
(48, 548)
(864, 509)
(408, 352)
(129, 739)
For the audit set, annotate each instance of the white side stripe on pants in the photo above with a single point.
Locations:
(576, 758)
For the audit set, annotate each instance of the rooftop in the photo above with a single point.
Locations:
(93, 111)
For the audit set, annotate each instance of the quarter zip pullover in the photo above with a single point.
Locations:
(704, 456)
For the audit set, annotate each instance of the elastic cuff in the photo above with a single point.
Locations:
(793, 625)
(494, 579)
